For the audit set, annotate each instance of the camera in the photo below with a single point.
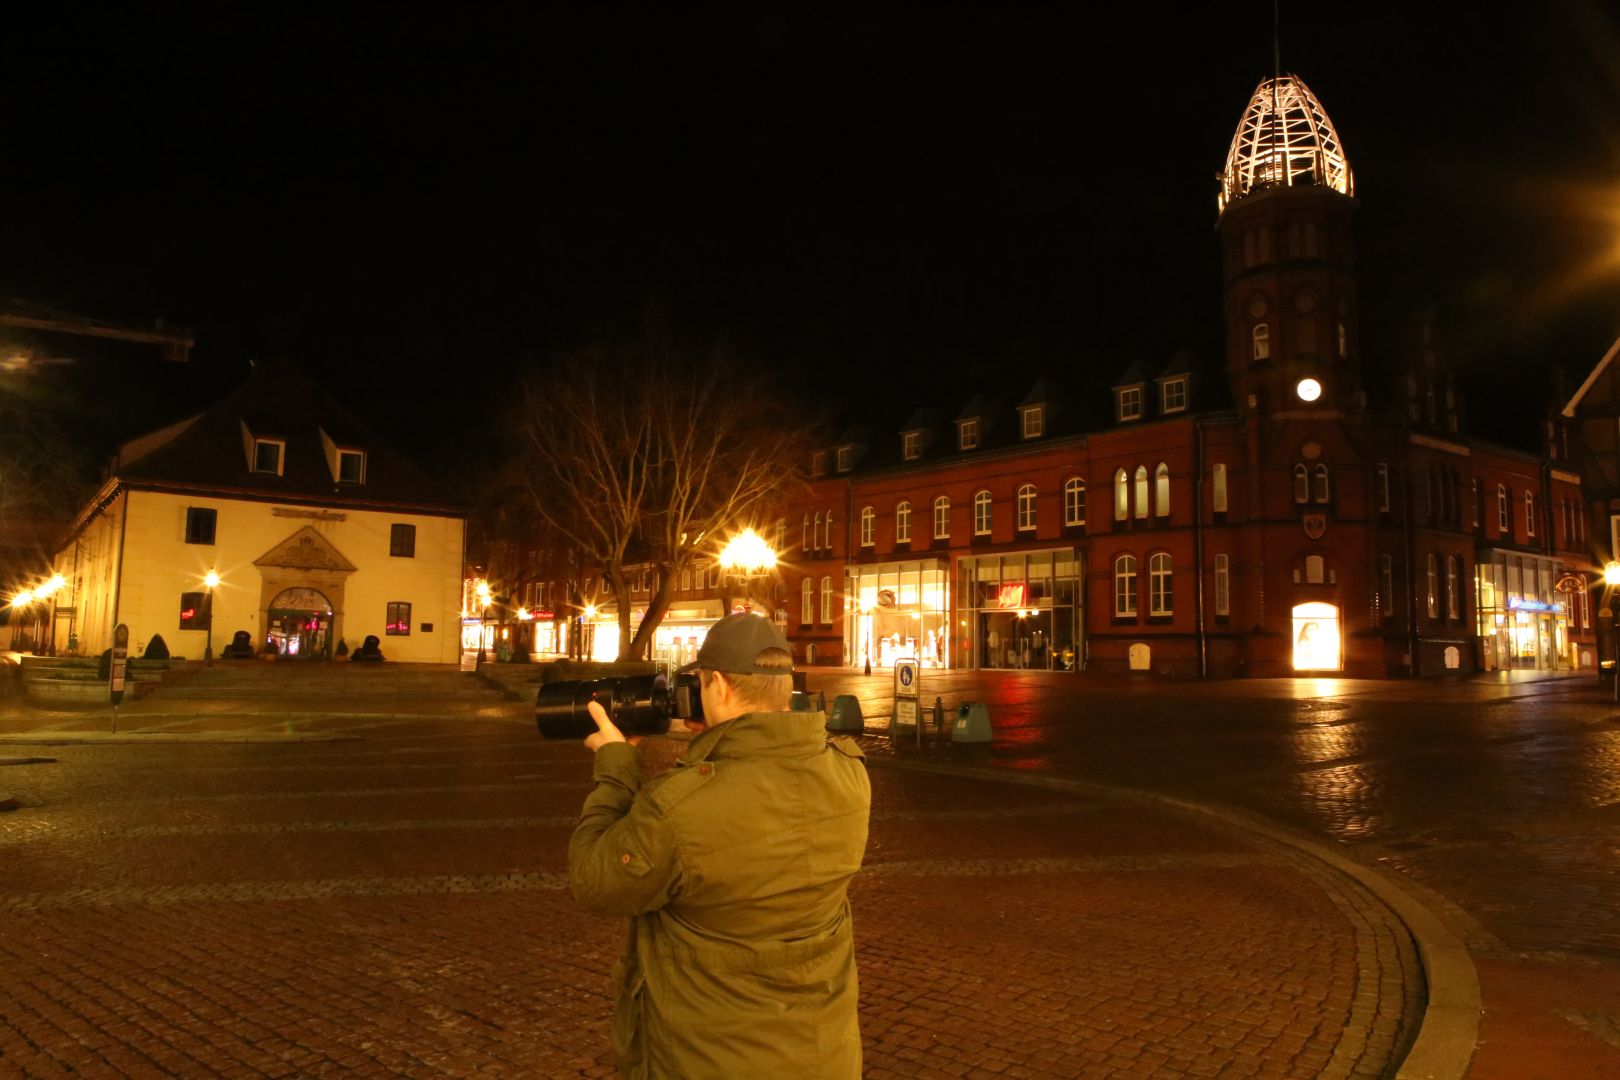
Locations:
(637, 704)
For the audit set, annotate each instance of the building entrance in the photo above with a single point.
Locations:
(1316, 638)
(300, 624)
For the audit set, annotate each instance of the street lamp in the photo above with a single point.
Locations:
(210, 579)
(866, 612)
(747, 555)
(1611, 578)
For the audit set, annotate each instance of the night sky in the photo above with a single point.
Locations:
(865, 200)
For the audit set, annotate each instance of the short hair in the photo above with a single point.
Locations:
(764, 692)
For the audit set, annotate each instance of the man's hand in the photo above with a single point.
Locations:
(606, 730)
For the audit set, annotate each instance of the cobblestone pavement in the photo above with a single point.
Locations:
(1493, 800)
(392, 902)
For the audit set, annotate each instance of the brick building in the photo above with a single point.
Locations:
(1267, 519)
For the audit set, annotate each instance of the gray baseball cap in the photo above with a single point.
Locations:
(734, 641)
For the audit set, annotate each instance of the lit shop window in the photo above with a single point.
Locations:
(1316, 637)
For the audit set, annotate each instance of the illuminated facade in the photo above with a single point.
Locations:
(1269, 519)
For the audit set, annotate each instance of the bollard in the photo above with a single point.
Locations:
(802, 702)
(972, 724)
(846, 715)
(939, 715)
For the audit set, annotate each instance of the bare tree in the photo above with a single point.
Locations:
(646, 455)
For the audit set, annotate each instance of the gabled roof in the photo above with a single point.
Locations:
(278, 400)
(1591, 380)
(1132, 376)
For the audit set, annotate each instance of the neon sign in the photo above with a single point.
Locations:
(1515, 604)
(1011, 596)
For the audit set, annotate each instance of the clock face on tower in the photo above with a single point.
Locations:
(1308, 389)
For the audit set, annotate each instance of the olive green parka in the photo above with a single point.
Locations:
(733, 868)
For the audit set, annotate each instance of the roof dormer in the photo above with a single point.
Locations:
(970, 425)
(1034, 412)
(918, 434)
(1129, 395)
(1175, 386)
(266, 454)
(347, 463)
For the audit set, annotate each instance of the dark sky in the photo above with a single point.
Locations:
(418, 206)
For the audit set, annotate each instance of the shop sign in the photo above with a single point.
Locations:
(885, 598)
(1571, 583)
(1011, 596)
(1531, 605)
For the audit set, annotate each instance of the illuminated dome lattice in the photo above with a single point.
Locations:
(1284, 139)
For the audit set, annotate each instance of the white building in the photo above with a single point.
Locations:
(316, 530)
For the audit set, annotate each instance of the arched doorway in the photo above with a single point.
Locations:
(1316, 638)
(300, 623)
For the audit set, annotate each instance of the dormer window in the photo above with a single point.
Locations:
(1173, 395)
(1130, 403)
(967, 434)
(351, 467)
(267, 456)
(818, 463)
(846, 458)
(911, 445)
(1034, 420)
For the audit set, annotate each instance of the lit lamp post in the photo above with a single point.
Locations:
(483, 618)
(210, 579)
(1611, 578)
(866, 617)
(749, 556)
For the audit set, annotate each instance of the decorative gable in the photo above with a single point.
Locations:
(306, 549)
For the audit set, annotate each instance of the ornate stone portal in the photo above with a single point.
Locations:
(301, 593)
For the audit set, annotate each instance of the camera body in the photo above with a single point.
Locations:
(637, 704)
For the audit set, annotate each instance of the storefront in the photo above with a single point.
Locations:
(1523, 619)
(898, 610)
(1021, 610)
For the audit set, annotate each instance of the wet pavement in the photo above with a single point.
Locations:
(1061, 932)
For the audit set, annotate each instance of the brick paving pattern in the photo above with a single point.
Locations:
(394, 905)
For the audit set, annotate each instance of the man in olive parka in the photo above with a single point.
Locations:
(734, 869)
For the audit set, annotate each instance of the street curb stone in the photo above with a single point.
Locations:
(1449, 1029)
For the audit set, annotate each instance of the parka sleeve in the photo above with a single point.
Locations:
(622, 858)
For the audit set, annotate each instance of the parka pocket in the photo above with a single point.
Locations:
(629, 1019)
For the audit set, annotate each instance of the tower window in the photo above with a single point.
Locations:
(1261, 336)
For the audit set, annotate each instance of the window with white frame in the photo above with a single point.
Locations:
(1141, 491)
(1173, 396)
(818, 463)
(1161, 490)
(1323, 489)
(846, 458)
(1122, 496)
(911, 445)
(981, 514)
(826, 601)
(268, 455)
(1125, 587)
(902, 523)
(1130, 403)
(1218, 499)
(1074, 501)
(351, 466)
(1302, 484)
(942, 518)
(815, 535)
(1160, 601)
(1504, 522)
(1383, 488)
(1386, 584)
(1034, 421)
(868, 526)
(807, 602)
(1453, 590)
(1223, 585)
(1433, 600)
(829, 533)
(1529, 513)
(967, 434)
(1026, 507)
(804, 537)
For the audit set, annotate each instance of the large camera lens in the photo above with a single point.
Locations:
(637, 705)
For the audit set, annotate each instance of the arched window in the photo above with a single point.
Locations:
(804, 537)
(1434, 588)
(1125, 587)
(815, 535)
(1302, 484)
(828, 534)
(1074, 501)
(942, 518)
(1453, 597)
(981, 514)
(1322, 488)
(1262, 341)
(868, 526)
(1160, 601)
(826, 601)
(1315, 571)
(1161, 490)
(1026, 507)
(1504, 522)
(807, 602)
(1218, 497)
(1141, 491)
(1529, 513)
(902, 523)
(1122, 496)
